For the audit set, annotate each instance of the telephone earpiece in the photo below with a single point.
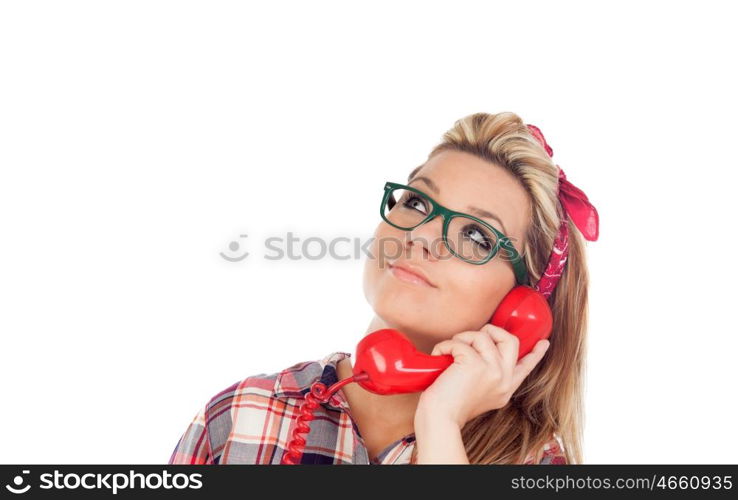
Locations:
(394, 366)
(525, 313)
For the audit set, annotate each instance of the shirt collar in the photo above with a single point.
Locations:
(295, 381)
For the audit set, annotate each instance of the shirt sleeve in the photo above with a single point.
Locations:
(194, 447)
(553, 454)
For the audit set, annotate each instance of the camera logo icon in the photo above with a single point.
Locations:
(18, 482)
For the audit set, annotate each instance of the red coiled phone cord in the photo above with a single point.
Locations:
(318, 394)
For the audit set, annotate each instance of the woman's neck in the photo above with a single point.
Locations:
(396, 411)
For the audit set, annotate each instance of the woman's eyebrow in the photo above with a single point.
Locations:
(483, 213)
(474, 210)
(429, 182)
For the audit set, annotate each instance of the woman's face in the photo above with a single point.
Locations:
(457, 296)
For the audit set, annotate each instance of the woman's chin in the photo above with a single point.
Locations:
(399, 309)
(407, 297)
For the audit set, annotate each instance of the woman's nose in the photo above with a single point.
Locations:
(428, 238)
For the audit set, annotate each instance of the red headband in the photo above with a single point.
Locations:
(581, 212)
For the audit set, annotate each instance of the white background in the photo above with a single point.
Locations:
(139, 138)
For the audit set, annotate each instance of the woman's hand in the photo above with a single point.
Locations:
(483, 377)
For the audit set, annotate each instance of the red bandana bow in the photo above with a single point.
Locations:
(581, 212)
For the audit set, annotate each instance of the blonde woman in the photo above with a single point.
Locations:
(487, 407)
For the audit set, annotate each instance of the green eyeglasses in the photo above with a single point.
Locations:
(473, 240)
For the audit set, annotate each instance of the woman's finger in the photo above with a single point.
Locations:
(528, 362)
(507, 343)
(458, 349)
(483, 343)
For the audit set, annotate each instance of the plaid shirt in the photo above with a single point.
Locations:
(251, 422)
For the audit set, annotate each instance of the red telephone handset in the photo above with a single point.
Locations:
(388, 363)
(394, 365)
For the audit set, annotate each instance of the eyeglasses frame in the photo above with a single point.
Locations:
(516, 260)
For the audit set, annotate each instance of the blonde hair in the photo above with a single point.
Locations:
(549, 402)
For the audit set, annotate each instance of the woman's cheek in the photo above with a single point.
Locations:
(475, 299)
(387, 247)
(376, 266)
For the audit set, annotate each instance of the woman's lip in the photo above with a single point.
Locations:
(404, 274)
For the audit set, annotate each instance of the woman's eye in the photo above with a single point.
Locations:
(477, 236)
(416, 203)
